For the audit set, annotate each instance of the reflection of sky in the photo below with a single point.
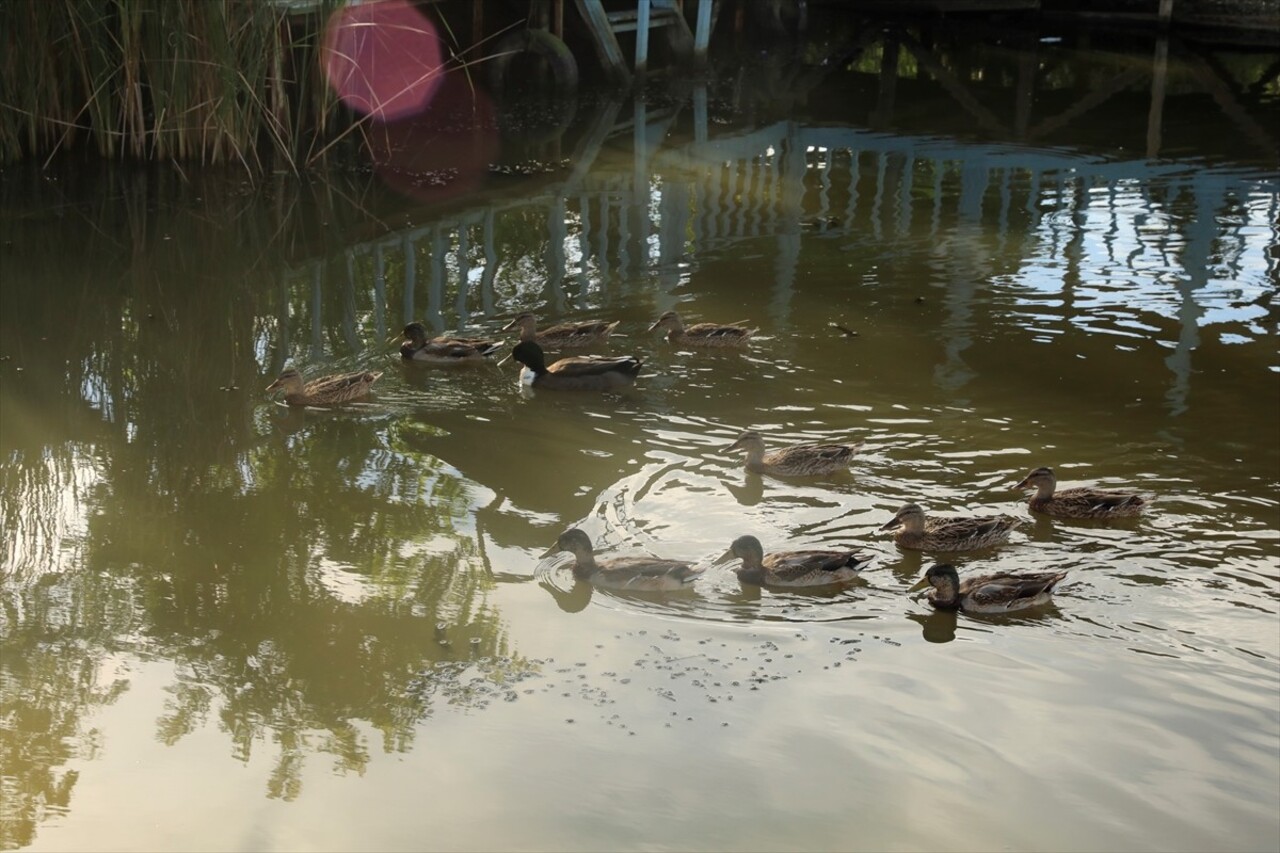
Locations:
(52, 521)
(1134, 254)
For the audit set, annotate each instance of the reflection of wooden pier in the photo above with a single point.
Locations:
(785, 184)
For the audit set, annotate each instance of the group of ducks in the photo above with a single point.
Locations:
(574, 373)
(999, 592)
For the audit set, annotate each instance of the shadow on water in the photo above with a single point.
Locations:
(1019, 230)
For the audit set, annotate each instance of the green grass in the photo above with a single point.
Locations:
(208, 81)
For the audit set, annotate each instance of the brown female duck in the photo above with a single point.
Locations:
(642, 574)
(325, 391)
(443, 350)
(792, 568)
(799, 460)
(576, 373)
(1079, 501)
(563, 336)
(961, 533)
(1001, 592)
(701, 334)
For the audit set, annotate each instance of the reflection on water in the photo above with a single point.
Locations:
(1049, 257)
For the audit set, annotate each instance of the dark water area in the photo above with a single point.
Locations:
(226, 623)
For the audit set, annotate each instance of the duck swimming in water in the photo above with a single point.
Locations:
(961, 533)
(563, 336)
(793, 568)
(641, 574)
(702, 334)
(325, 391)
(576, 373)
(1079, 501)
(1001, 592)
(799, 460)
(444, 350)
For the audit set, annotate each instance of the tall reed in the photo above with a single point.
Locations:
(204, 80)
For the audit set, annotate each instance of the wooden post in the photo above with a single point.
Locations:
(1159, 74)
(642, 36)
(702, 38)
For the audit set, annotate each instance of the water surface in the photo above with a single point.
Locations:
(231, 625)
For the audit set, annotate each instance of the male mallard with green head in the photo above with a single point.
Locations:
(576, 373)
(961, 533)
(701, 334)
(325, 391)
(812, 567)
(1079, 501)
(1002, 592)
(443, 350)
(563, 336)
(640, 574)
(799, 460)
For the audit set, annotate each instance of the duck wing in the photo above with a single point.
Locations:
(813, 566)
(338, 383)
(971, 528)
(715, 330)
(781, 562)
(578, 332)
(832, 454)
(1098, 500)
(646, 573)
(461, 347)
(594, 365)
(1008, 590)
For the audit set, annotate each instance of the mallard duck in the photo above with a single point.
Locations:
(792, 568)
(701, 334)
(563, 336)
(576, 373)
(1078, 502)
(443, 350)
(325, 391)
(1001, 592)
(798, 460)
(964, 533)
(648, 574)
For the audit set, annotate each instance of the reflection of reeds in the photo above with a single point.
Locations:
(161, 79)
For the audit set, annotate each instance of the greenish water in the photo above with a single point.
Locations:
(231, 625)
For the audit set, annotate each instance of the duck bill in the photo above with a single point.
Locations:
(273, 386)
(890, 524)
(550, 552)
(737, 445)
(919, 585)
(1022, 486)
(508, 327)
(724, 558)
(657, 325)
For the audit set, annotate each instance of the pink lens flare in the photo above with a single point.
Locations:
(383, 58)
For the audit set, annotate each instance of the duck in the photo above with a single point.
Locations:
(702, 334)
(1080, 501)
(962, 533)
(563, 336)
(798, 460)
(576, 373)
(325, 391)
(792, 568)
(444, 350)
(643, 574)
(1001, 592)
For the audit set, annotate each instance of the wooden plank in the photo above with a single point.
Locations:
(606, 43)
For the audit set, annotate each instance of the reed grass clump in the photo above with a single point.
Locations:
(211, 81)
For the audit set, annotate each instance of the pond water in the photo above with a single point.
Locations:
(228, 624)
